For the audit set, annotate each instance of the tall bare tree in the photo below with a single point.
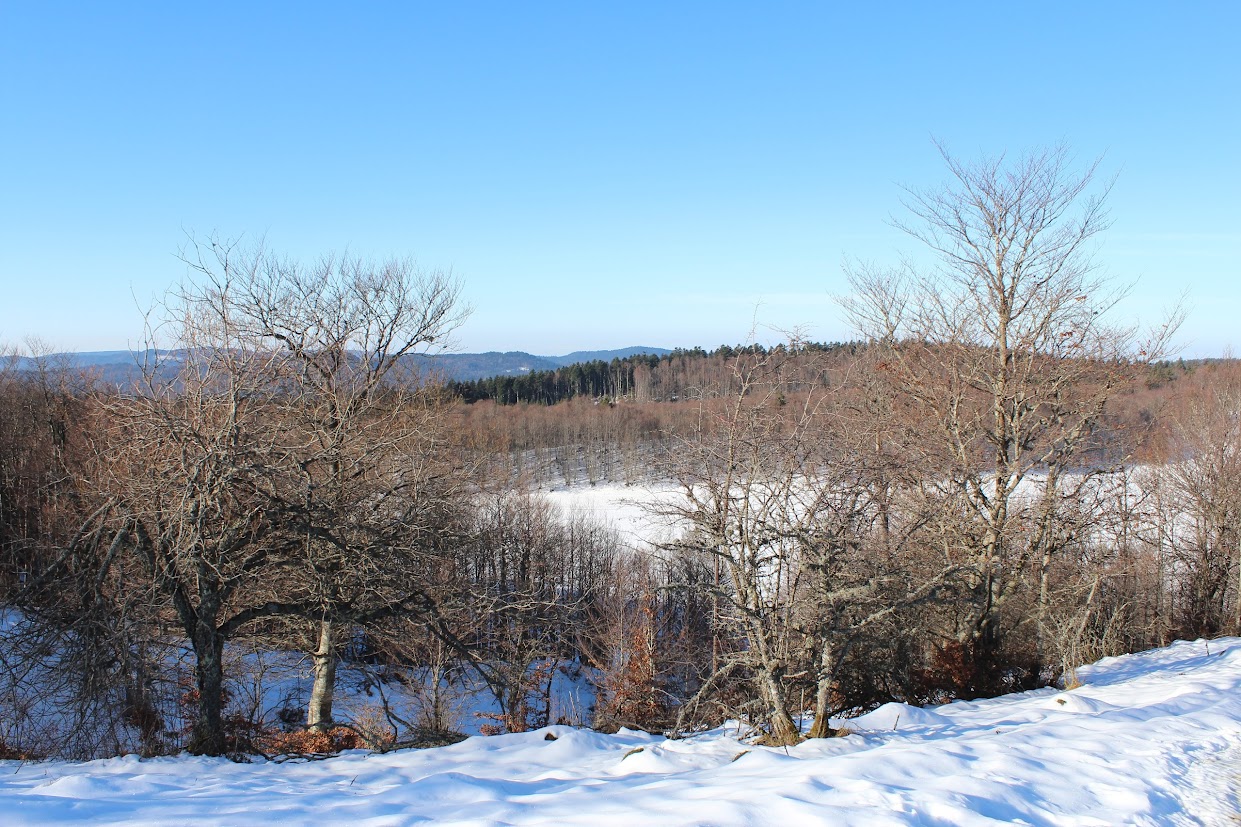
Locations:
(1002, 345)
(367, 473)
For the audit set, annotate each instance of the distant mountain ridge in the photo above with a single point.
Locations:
(119, 365)
(605, 355)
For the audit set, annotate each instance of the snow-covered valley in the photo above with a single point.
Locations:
(1152, 738)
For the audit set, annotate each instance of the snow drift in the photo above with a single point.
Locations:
(1151, 738)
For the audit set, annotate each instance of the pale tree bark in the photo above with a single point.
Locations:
(319, 715)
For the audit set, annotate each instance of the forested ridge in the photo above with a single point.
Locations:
(641, 378)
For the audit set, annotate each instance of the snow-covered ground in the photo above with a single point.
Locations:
(625, 508)
(1152, 738)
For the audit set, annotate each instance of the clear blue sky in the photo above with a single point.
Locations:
(599, 175)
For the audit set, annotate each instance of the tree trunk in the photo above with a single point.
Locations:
(1236, 624)
(820, 728)
(783, 730)
(207, 735)
(319, 715)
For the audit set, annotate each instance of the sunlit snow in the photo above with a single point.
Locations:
(1152, 738)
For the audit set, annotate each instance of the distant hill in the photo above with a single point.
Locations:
(578, 356)
(121, 365)
(466, 366)
(461, 366)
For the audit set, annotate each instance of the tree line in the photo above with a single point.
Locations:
(644, 377)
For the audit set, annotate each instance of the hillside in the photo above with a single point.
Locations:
(118, 366)
(1150, 739)
(467, 366)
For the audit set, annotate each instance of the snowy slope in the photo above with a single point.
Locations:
(1153, 738)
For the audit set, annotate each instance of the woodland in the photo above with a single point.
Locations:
(993, 484)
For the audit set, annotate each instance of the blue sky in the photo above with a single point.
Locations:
(598, 175)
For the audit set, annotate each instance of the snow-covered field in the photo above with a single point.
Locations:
(626, 508)
(1152, 738)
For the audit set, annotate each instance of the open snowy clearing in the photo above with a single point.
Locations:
(1152, 738)
(621, 507)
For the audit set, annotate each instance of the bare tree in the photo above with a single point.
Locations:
(1203, 480)
(185, 469)
(278, 460)
(736, 473)
(367, 474)
(1002, 347)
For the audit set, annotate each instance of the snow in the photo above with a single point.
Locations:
(283, 680)
(1147, 739)
(892, 716)
(627, 509)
